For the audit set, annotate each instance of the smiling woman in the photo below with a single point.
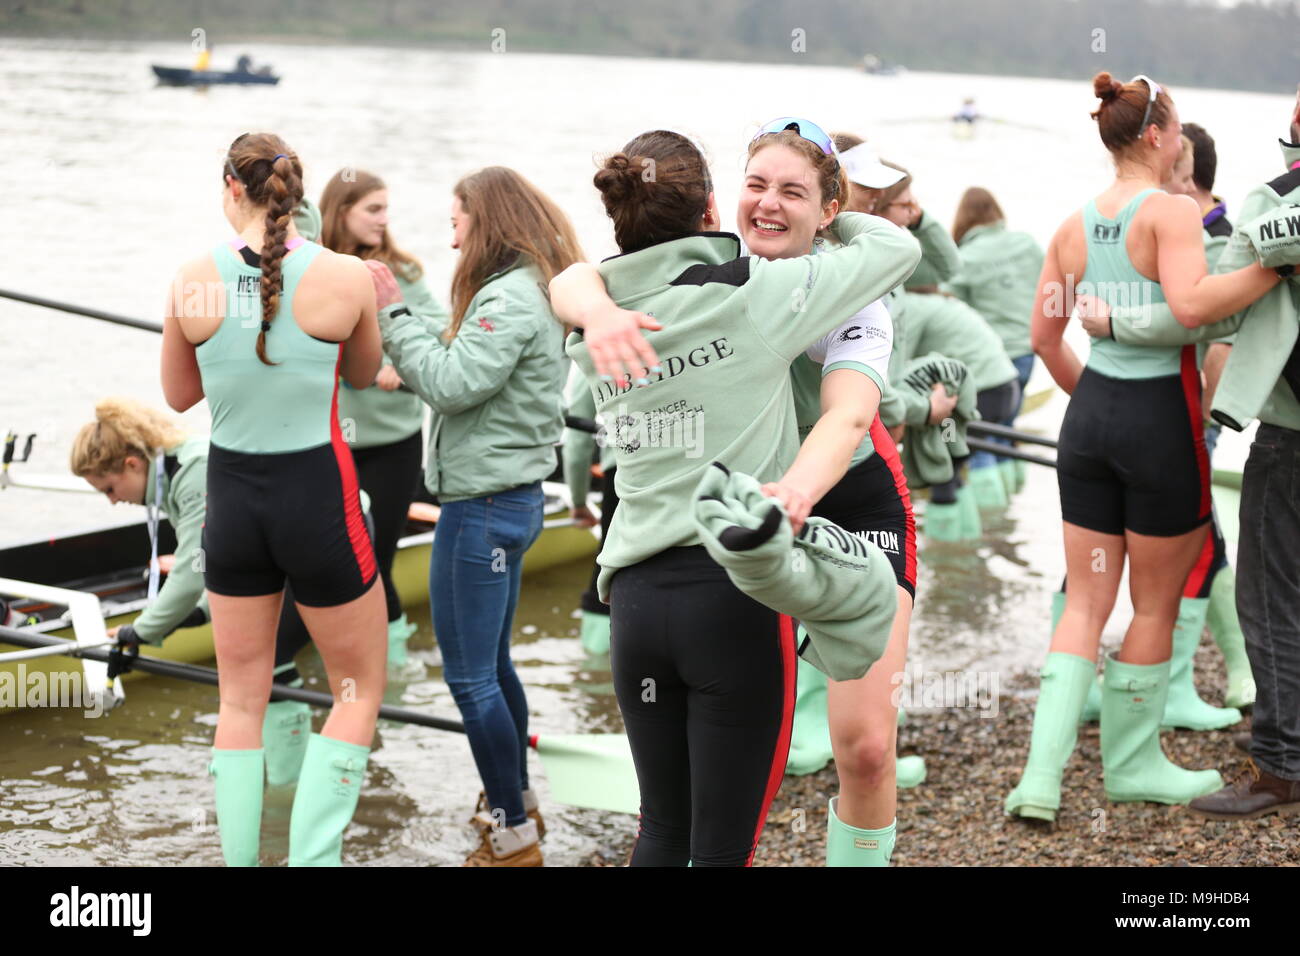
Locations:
(382, 422)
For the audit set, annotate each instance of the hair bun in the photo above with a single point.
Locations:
(1105, 87)
(619, 179)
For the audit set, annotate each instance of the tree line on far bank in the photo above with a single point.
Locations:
(1253, 45)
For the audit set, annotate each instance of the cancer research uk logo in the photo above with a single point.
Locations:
(76, 909)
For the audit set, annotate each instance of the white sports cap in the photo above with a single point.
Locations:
(864, 167)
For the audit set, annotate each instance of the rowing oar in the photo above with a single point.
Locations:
(1002, 431)
(1006, 451)
(82, 310)
(584, 770)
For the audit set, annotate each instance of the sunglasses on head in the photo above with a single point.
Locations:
(1154, 88)
(806, 129)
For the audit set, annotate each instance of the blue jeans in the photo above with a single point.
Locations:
(474, 579)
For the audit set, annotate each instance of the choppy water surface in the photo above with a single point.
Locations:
(120, 183)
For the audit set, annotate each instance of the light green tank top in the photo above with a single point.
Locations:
(1110, 276)
(267, 409)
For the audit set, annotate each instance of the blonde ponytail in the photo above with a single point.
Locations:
(122, 427)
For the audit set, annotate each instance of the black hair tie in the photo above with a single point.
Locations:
(266, 326)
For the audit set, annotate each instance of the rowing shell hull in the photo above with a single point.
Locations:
(554, 547)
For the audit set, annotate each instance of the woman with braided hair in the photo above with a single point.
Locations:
(263, 326)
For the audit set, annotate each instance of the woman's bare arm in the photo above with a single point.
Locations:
(182, 383)
(849, 403)
(1195, 297)
(1053, 304)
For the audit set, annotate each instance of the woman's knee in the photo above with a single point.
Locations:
(473, 691)
(866, 754)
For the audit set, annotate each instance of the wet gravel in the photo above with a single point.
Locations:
(955, 818)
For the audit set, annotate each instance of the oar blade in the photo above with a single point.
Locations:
(591, 770)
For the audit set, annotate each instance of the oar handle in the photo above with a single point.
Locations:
(1002, 431)
(207, 675)
(82, 310)
(1006, 451)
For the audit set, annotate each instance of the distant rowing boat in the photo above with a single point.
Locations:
(179, 76)
(111, 564)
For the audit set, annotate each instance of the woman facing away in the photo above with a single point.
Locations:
(1131, 464)
(382, 421)
(703, 673)
(494, 381)
(266, 350)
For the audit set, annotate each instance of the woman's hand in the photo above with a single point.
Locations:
(797, 504)
(166, 562)
(941, 403)
(1094, 314)
(1295, 118)
(618, 349)
(386, 290)
(583, 517)
(388, 379)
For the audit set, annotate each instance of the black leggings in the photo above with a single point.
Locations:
(591, 602)
(705, 678)
(390, 475)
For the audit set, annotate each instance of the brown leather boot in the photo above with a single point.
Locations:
(1255, 793)
(1242, 741)
(505, 846)
(530, 807)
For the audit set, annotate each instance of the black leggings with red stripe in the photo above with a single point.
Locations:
(1131, 454)
(705, 678)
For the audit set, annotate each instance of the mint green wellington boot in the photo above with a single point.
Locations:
(987, 486)
(1065, 680)
(943, 522)
(328, 787)
(909, 771)
(810, 736)
(971, 528)
(595, 633)
(1091, 712)
(399, 632)
(1226, 631)
(285, 730)
(1134, 767)
(1007, 469)
(1184, 707)
(853, 846)
(237, 780)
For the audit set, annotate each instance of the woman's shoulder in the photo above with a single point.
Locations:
(520, 285)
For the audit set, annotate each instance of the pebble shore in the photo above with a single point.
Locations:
(955, 817)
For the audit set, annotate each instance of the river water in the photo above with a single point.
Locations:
(114, 182)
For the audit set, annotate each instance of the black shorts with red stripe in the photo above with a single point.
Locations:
(1131, 454)
(295, 517)
(872, 501)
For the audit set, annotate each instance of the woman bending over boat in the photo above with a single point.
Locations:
(135, 454)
